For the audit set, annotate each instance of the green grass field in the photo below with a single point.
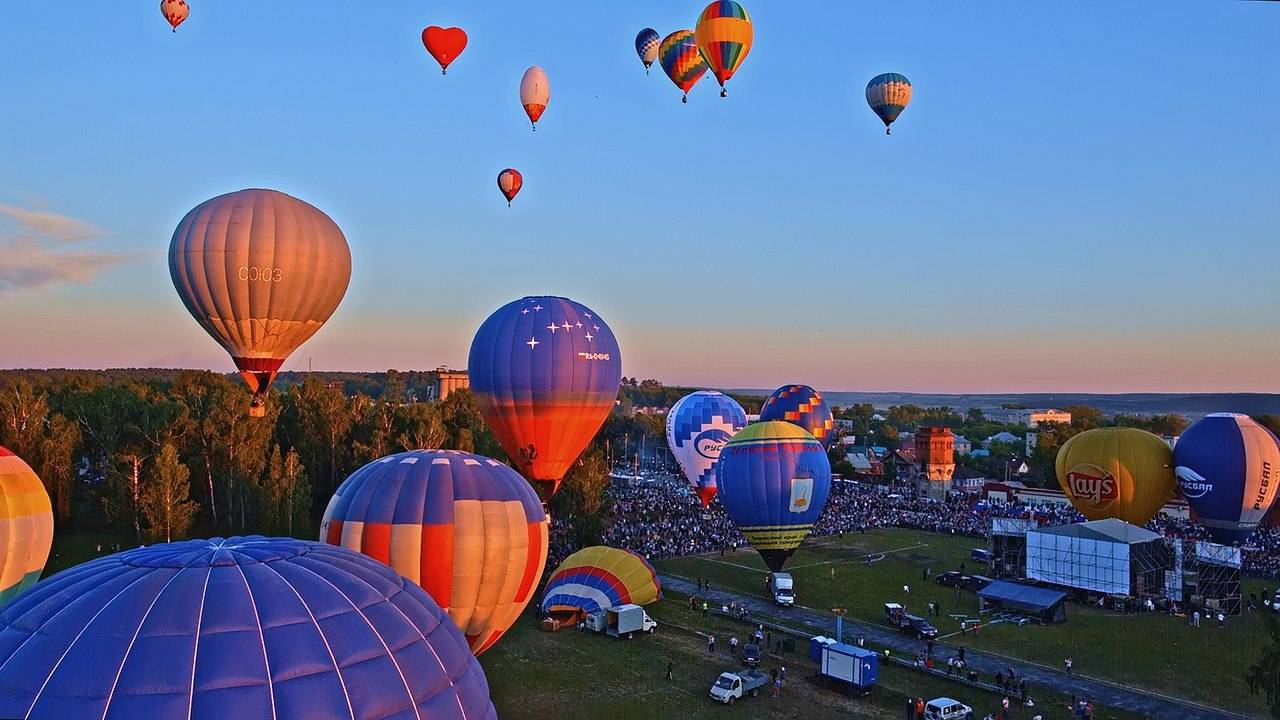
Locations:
(1153, 652)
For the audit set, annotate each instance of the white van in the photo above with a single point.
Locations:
(945, 708)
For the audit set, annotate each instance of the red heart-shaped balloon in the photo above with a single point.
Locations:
(444, 44)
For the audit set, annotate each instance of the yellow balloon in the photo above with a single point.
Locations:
(26, 526)
(1121, 473)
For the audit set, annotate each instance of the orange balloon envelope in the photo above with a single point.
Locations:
(724, 36)
(509, 182)
(466, 528)
(175, 11)
(26, 526)
(261, 272)
(535, 92)
(444, 44)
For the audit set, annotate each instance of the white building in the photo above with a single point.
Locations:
(1034, 418)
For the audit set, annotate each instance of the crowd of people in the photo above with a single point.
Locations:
(663, 518)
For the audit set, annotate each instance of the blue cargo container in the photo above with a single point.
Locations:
(850, 665)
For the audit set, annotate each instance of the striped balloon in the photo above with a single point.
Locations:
(681, 60)
(647, 42)
(509, 183)
(545, 372)
(724, 35)
(598, 578)
(26, 526)
(803, 406)
(466, 528)
(774, 481)
(1228, 469)
(888, 96)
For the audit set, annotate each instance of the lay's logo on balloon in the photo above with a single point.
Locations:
(1092, 483)
(710, 442)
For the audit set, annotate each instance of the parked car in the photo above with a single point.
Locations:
(918, 626)
(944, 708)
(951, 578)
(976, 582)
(982, 555)
(751, 655)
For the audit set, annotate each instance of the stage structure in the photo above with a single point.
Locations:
(1102, 557)
(1007, 541)
(1213, 576)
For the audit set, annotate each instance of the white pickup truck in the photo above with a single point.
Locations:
(732, 685)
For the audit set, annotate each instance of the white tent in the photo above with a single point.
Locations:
(1103, 556)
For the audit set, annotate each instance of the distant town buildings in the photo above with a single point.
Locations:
(1034, 418)
(935, 449)
(963, 445)
(442, 381)
(1001, 437)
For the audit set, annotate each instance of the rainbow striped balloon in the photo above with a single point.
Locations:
(598, 578)
(681, 60)
(724, 36)
(466, 528)
(26, 526)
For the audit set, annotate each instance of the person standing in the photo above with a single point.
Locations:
(670, 669)
(911, 709)
(961, 653)
(711, 644)
(1068, 663)
(704, 608)
(733, 645)
(1004, 708)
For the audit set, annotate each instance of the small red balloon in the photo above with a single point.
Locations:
(444, 44)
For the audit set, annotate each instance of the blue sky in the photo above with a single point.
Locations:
(1081, 197)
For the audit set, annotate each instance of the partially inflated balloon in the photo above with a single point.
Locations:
(1228, 469)
(681, 61)
(175, 11)
(535, 93)
(1121, 473)
(724, 36)
(466, 528)
(444, 44)
(509, 183)
(774, 480)
(261, 272)
(598, 578)
(545, 372)
(803, 406)
(698, 426)
(647, 42)
(26, 526)
(888, 96)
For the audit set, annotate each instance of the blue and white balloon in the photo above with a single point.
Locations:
(698, 427)
(1228, 469)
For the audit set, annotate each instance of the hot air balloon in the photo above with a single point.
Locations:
(774, 480)
(261, 272)
(698, 426)
(1228, 469)
(1116, 472)
(466, 528)
(242, 627)
(509, 182)
(545, 372)
(888, 96)
(535, 92)
(598, 578)
(803, 406)
(26, 526)
(681, 61)
(724, 36)
(444, 44)
(175, 11)
(647, 42)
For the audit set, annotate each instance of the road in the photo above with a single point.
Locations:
(813, 622)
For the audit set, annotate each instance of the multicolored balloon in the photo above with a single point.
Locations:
(509, 183)
(724, 35)
(261, 272)
(26, 526)
(535, 93)
(647, 42)
(803, 406)
(241, 627)
(598, 578)
(774, 480)
(444, 44)
(545, 372)
(681, 61)
(888, 95)
(174, 11)
(1116, 472)
(1228, 469)
(466, 528)
(698, 426)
